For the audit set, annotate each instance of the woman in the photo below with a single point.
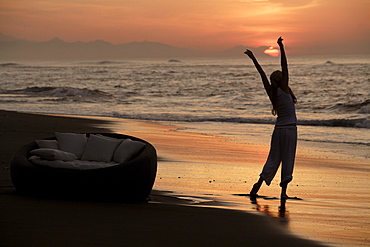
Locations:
(284, 137)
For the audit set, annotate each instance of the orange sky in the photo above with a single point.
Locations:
(306, 25)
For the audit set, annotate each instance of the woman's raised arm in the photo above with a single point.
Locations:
(265, 81)
(284, 67)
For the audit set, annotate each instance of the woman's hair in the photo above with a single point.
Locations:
(276, 78)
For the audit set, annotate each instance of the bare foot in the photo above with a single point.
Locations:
(284, 196)
(255, 189)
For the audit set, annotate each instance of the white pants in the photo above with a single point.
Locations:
(282, 150)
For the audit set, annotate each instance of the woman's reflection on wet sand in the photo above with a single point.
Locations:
(282, 215)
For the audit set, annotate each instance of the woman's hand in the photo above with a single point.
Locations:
(280, 41)
(249, 53)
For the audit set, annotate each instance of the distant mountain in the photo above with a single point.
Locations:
(12, 49)
(6, 38)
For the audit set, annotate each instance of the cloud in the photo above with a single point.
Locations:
(294, 3)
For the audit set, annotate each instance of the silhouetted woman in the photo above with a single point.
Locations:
(284, 137)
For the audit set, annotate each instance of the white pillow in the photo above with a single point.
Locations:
(100, 148)
(53, 154)
(53, 144)
(72, 143)
(127, 150)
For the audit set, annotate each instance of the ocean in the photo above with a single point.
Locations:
(212, 96)
(225, 97)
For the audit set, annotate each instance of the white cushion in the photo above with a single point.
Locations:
(100, 148)
(75, 165)
(53, 154)
(72, 143)
(53, 144)
(126, 150)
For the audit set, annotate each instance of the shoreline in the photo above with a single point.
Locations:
(35, 221)
(23, 128)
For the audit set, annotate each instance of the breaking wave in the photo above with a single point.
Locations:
(9, 64)
(58, 92)
(363, 107)
(354, 123)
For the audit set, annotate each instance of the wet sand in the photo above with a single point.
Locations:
(197, 185)
(333, 199)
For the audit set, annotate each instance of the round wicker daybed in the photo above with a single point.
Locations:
(129, 181)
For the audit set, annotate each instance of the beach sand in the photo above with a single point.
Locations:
(198, 197)
(332, 188)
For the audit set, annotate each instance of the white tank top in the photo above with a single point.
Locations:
(285, 109)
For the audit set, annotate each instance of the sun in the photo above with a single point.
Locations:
(272, 51)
